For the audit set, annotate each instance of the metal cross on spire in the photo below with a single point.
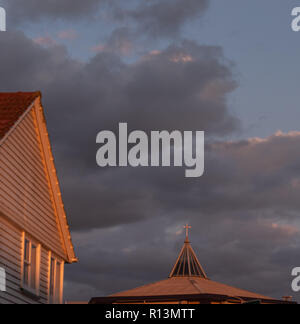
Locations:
(187, 228)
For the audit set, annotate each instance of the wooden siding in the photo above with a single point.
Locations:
(11, 261)
(26, 205)
(25, 195)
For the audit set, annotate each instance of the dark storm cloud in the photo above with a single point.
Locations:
(242, 180)
(182, 87)
(121, 41)
(151, 17)
(164, 18)
(242, 212)
(243, 253)
(34, 10)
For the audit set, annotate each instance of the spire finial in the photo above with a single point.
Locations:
(187, 228)
(187, 264)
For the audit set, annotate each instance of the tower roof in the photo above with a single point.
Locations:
(187, 264)
(187, 282)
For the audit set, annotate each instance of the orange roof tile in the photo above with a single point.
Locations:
(12, 107)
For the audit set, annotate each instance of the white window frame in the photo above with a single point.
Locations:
(28, 288)
(57, 297)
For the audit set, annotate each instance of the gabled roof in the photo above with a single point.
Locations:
(12, 107)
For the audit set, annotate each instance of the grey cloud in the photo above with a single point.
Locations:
(184, 86)
(34, 10)
(242, 253)
(150, 17)
(122, 41)
(164, 18)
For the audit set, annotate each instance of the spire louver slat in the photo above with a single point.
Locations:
(187, 264)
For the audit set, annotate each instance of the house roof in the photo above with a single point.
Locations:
(12, 107)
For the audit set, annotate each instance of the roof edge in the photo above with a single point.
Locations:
(56, 191)
(36, 105)
(204, 298)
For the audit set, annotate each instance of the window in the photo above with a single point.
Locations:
(56, 281)
(31, 266)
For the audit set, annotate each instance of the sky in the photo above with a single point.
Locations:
(229, 68)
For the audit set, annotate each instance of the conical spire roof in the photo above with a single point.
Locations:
(187, 264)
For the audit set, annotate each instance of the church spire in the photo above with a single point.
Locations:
(187, 264)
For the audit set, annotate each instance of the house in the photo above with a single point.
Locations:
(187, 284)
(35, 240)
